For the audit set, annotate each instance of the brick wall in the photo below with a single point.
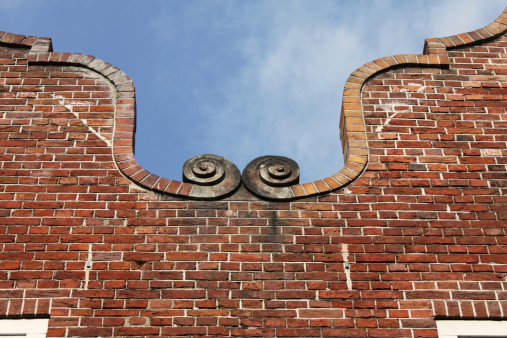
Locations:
(412, 229)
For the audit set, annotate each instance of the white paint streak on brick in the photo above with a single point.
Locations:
(88, 267)
(387, 121)
(62, 101)
(346, 265)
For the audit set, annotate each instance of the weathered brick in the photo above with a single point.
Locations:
(418, 234)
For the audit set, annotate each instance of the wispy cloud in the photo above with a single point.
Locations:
(283, 65)
(286, 98)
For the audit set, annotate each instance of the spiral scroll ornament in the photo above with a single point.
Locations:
(271, 177)
(212, 175)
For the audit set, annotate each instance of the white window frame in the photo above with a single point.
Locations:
(29, 328)
(472, 328)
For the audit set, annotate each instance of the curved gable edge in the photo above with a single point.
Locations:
(35, 44)
(352, 125)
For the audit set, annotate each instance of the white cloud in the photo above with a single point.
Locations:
(285, 98)
(289, 91)
(455, 17)
(290, 88)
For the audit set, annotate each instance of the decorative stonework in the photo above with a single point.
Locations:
(212, 176)
(271, 177)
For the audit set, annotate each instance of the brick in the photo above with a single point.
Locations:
(183, 294)
(417, 234)
(320, 313)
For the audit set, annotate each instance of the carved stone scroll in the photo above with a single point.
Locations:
(211, 175)
(271, 177)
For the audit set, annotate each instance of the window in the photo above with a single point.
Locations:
(471, 329)
(29, 328)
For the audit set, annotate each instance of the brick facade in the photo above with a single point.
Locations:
(412, 229)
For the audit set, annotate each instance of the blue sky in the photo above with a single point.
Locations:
(243, 78)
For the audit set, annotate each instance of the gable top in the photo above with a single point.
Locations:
(352, 123)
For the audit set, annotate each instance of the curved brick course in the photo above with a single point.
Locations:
(351, 124)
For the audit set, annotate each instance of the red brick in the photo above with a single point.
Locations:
(418, 234)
